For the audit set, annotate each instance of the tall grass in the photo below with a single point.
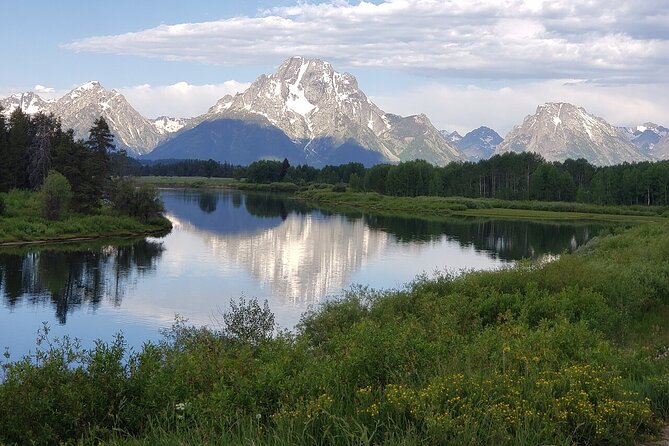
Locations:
(559, 354)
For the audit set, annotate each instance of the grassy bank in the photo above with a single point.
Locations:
(571, 352)
(459, 206)
(22, 222)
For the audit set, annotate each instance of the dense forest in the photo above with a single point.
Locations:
(37, 154)
(511, 176)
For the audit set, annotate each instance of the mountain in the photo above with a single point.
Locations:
(231, 140)
(452, 137)
(325, 115)
(479, 144)
(29, 102)
(646, 136)
(82, 106)
(661, 149)
(166, 125)
(558, 131)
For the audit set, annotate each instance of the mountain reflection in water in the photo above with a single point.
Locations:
(227, 244)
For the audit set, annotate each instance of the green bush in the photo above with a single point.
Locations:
(56, 196)
(139, 201)
(339, 187)
(3, 206)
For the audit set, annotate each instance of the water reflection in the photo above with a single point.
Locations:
(503, 239)
(302, 253)
(69, 276)
(226, 244)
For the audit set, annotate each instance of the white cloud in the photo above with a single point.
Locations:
(528, 39)
(464, 108)
(178, 100)
(42, 89)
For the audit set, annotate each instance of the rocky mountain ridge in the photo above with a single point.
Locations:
(560, 130)
(322, 110)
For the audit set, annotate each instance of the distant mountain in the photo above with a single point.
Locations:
(29, 102)
(661, 149)
(82, 106)
(452, 137)
(231, 140)
(479, 144)
(324, 114)
(646, 136)
(558, 131)
(166, 125)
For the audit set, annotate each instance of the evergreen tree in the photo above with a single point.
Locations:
(17, 150)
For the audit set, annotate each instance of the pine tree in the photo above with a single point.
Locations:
(98, 165)
(17, 150)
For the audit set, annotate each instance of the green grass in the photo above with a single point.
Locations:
(190, 182)
(571, 352)
(440, 207)
(22, 222)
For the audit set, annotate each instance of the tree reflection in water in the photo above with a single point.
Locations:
(70, 276)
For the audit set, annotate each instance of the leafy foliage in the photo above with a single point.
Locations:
(56, 196)
(140, 201)
(248, 322)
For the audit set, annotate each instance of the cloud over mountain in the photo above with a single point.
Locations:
(611, 41)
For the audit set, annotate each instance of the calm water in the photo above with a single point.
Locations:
(227, 244)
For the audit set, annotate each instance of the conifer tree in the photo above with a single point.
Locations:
(17, 150)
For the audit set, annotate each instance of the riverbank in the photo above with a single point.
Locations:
(23, 223)
(428, 207)
(572, 352)
(473, 207)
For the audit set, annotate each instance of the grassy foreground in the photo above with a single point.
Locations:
(572, 352)
(23, 222)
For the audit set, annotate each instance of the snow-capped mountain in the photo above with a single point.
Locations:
(326, 114)
(29, 102)
(166, 125)
(479, 144)
(452, 137)
(645, 136)
(558, 131)
(82, 106)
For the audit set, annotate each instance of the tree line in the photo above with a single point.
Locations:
(511, 176)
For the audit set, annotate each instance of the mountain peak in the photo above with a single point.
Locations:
(322, 110)
(560, 130)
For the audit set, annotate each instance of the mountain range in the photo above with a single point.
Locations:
(309, 113)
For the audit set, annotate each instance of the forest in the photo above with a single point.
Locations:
(525, 176)
(54, 186)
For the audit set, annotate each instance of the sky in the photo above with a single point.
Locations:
(464, 63)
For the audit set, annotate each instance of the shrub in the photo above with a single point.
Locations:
(248, 322)
(140, 202)
(3, 207)
(56, 196)
(339, 187)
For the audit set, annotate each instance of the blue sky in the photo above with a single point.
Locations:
(464, 63)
